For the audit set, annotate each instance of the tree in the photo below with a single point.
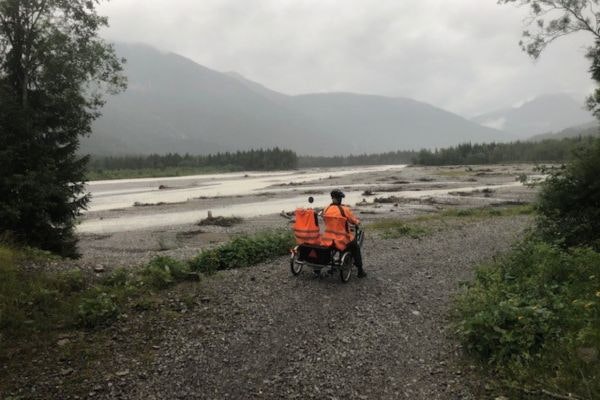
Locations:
(553, 19)
(569, 203)
(54, 72)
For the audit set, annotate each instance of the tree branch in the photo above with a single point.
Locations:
(583, 20)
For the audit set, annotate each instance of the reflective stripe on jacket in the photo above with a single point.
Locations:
(337, 231)
(306, 227)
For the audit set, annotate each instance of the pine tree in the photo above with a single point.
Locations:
(54, 71)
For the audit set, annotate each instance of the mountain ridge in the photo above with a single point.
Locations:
(545, 113)
(174, 104)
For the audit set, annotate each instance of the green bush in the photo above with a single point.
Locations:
(70, 281)
(163, 272)
(395, 228)
(97, 311)
(569, 202)
(120, 277)
(244, 251)
(533, 313)
(487, 212)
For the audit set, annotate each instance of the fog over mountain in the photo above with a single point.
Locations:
(543, 114)
(588, 129)
(176, 105)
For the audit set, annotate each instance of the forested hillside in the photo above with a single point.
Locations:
(493, 153)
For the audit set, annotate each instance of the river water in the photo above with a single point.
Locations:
(123, 194)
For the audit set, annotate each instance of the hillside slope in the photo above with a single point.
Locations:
(176, 105)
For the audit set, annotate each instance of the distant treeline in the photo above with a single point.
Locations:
(494, 153)
(277, 159)
(392, 157)
(257, 160)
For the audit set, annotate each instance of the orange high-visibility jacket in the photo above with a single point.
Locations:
(306, 227)
(337, 231)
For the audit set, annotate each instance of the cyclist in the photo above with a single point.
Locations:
(337, 233)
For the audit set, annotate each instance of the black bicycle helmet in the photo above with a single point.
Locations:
(337, 194)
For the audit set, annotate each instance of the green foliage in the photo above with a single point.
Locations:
(244, 251)
(175, 164)
(553, 19)
(394, 229)
(534, 313)
(99, 310)
(120, 277)
(163, 272)
(46, 104)
(34, 300)
(488, 212)
(495, 153)
(96, 174)
(569, 203)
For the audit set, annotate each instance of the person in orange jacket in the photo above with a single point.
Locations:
(337, 231)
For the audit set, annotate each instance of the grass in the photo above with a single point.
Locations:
(393, 228)
(35, 302)
(488, 212)
(32, 302)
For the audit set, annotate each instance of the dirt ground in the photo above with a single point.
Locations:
(263, 333)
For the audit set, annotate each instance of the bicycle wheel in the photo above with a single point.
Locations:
(294, 266)
(346, 267)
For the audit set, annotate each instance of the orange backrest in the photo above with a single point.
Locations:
(306, 228)
(336, 232)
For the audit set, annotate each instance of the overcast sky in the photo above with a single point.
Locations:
(460, 55)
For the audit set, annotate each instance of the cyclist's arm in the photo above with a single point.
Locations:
(351, 217)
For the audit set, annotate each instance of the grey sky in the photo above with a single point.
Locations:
(461, 55)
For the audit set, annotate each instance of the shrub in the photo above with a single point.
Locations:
(487, 212)
(162, 272)
(70, 281)
(531, 314)
(244, 251)
(97, 311)
(120, 277)
(569, 202)
(394, 229)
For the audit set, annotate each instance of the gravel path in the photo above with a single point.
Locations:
(262, 333)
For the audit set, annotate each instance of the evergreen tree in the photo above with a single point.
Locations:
(54, 71)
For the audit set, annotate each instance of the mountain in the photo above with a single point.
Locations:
(589, 129)
(371, 124)
(547, 113)
(176, 105)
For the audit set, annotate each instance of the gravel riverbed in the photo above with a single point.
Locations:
(263, 333)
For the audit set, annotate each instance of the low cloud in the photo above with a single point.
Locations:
(460, 55)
